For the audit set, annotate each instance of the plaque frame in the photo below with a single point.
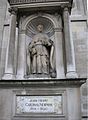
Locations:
(38, 92)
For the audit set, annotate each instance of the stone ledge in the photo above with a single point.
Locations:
(43, 83)
(52, 117)
(37, 5)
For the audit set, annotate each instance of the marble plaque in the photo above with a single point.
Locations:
(39, 104)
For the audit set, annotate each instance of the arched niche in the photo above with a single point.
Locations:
(31, 28)
(52, 27)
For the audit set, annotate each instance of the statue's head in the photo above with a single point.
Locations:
(40, 28)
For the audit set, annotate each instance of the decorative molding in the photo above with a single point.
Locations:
(42, 82)
(13, 2)
(22, 31)
(66, 8)
(13, 10)
(58, 29)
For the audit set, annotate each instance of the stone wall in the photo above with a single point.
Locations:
(9, 91)
(79, 32)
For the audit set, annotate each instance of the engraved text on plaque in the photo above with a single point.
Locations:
(39, 104)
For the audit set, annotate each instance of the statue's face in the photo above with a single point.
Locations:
(40, 28)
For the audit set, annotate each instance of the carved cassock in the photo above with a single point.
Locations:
(40, 55)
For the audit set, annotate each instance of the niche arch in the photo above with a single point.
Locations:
(51, 18)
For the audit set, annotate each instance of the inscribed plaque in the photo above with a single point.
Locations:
(39, 104)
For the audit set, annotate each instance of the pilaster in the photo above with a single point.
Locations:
(9, 68)
(70, 58)
(21, 66)
(59, 52)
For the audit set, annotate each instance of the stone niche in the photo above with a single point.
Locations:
(53, 55)
(34, 70)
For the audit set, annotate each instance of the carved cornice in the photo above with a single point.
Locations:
(75, 82)
(16, 2)
(13, 10)
(45, 5)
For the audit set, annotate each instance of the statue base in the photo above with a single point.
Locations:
(41, 99)
(37, 76)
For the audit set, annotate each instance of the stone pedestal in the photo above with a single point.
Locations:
(39, 99)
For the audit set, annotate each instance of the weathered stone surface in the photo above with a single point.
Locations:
(79, 30)
(3, 5)
(5, 104)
